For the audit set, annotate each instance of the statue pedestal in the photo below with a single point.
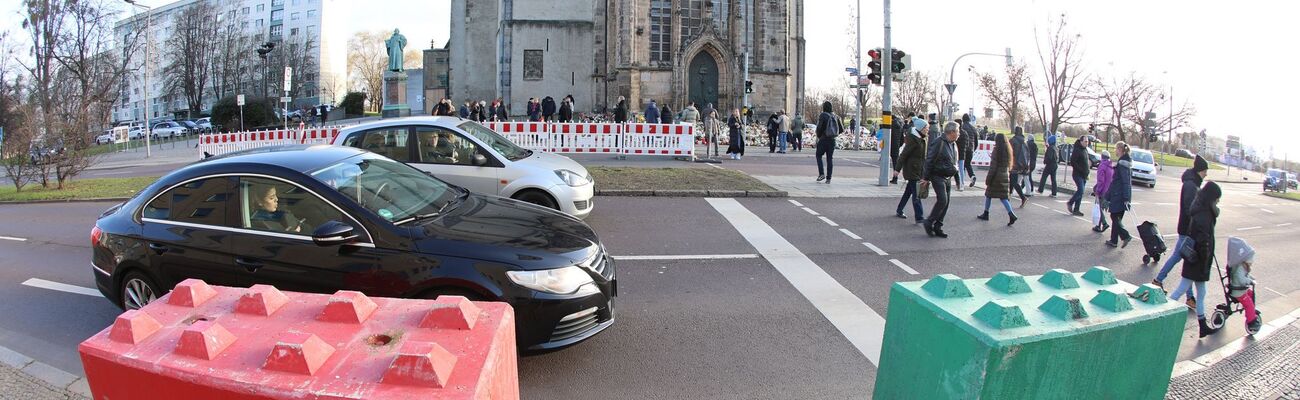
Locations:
(395, 103)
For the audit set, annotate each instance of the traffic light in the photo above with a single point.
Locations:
(749, 86)
(1092, 128)
(900, 61)
(875, 66)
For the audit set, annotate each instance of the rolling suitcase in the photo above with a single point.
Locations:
(1151, 241)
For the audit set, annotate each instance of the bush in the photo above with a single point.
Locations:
(353, 104)
(257, 112)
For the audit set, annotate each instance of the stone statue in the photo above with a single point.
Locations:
(395, 44)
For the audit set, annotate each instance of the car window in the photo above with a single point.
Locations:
(202, 201)
(275, 206)
(438, 145)
(1143, 157)
(388, 142)
(394, 191)
(494, 140)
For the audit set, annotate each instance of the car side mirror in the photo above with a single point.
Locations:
(479, 160)
(333, 233)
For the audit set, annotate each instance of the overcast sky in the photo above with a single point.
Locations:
(1183, 44)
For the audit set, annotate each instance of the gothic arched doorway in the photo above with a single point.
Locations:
(702, 80)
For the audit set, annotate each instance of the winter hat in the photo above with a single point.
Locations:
(1200, 164)
(918, 124)
(1051, 140)
(1239, 251)
(1030, 137)
(1105, 154)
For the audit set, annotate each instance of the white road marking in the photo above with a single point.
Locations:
(850, 234)
(1163, 204)
(875, 249)
(62, 287)
(1267, 211)
(1274, 291)
(1061, 201)
(828, 221)
(1083, 219)
(1249, 228)
(714, 166)
(1040, 205)
(905, 268)
(1169, 235)
(686, 257)
(810, 211)
(16, 239)
(862, 326)
(1061, 212)
(796, 204)
(1286, 224)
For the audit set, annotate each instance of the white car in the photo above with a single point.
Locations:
(105, 138)
(1144, 167)
(471, 156)
(169, 129)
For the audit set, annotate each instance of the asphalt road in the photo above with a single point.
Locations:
(715, 328)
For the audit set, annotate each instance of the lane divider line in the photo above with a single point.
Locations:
(61, 287)
(1286, 224)
(828, 221)
(850, 234)
(810, 211)
(1249, 228)
(796, 203)
(863, 327)
(875, 249)
(1267, 211)
(905, 268)
(16, 239)
(686, 257)
(1040, 205)
(1274, 291)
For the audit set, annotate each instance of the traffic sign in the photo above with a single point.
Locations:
(288, 78)
(286, 99)
(852, 71)
(951, 87)
(239, 100)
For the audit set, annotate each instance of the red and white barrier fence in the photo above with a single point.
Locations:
(586, 138)
(983, 155)
(221, 143)
(659, 139)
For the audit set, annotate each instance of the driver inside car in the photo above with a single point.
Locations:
(267, 214)
(441, 149)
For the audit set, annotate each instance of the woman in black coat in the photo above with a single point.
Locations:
(736, 148)
(1119, 196)
(997, 184)
(1204, 215)
(911, 163)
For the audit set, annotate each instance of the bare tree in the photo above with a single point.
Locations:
(916, 93)
(234, 58)
(302, 57)
(190, 51)
(1007, 92)
(1119, 98)
(1156, 103)
(1064, 80)
(367, 59)
(18, 134)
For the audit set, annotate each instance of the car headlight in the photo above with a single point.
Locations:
(567, 280)
(571, 178)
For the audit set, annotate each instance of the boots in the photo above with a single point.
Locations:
(984, 216)
(1013, 219)
(1205, 328)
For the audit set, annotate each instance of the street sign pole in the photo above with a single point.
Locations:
(240, 100)
(886, 117)
(857, 130)
(288, 82)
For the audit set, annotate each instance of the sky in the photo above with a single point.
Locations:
(1230, 60)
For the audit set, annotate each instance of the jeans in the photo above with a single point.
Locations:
(1117, 230)
(940, 210)
(970, 169)
(1017, 184)
(1079, 186)
(781, 140)
(1174, 257)
(771, 142)
(961, 173)
(1042, 183)
(910, 191)
(827, 147)
(1028, 180)
(1184, 286)
(988, 201)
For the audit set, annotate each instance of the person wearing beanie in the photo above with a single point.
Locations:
(1241, 259)
(1050, 161)
(1192, 179)
(1082, 167)
(1032, 147)
(911, 163)
(971, 138)
(1203, 217)
(1019, 164)
(1105, 172)
(1119, 196)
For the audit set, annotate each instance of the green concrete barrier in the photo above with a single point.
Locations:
(1055, 336)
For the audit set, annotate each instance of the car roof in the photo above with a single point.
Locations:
(299, 157)
(422, 120)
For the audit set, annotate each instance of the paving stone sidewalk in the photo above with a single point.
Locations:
(1267, 369)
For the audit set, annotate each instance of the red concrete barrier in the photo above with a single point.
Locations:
(213, 342)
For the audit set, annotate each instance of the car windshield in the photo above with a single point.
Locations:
(497, 142)
(1143, 157)
(392, 190)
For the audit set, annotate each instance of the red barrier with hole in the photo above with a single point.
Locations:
(213, 342)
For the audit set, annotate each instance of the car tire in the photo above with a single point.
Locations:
(537, 197)
(137, 290)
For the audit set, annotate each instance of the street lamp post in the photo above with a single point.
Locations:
(148, 43)
(951, 86)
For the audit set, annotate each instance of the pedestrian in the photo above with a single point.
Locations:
(666, 115)
(620, 111)
(1050, 162)
(1105, 174)
(1033, 164)
(773, 131)
(998, 181)
(482, 111)
(796, 137)
(971, 138)
(1200, 231)
(1192, 179)
(829, 127)
(963, 141)
(475, 113)
(566, 109)
(783, 131)
(548, 109)
(1119, 195)
(1082, 167)
(736, 139)
(1241, 259)
(690, 114)
(911, 164)
(1019, 163)
(464, 110)
(896, 141)
(499, 114)
(652, 113)
(940, 165)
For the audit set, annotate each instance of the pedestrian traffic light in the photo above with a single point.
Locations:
(1092, 128)
(875, 66)
(899, 61)
(749, 86)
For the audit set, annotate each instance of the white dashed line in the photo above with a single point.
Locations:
(829, 222)
(1061, 212)
(1274, 291)
(1249, 228)
(810, 211)
(1083, 219)
(16, 239)
(796, 204)
(1169, 235)
(1040, 205)
(715, 166)
(1267, 211)
(1163, 204)
(687, 257)
(1286, 224)
(850, 234)
(62, 287)
(875, 249)
(904, 266)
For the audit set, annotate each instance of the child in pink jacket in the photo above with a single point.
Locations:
(1105, 172)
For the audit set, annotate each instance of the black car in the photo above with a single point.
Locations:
(326, 218)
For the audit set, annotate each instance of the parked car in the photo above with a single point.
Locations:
(1144, 167)
(105, 138)
(190, 126)
(1275, 180)
(1184, 153)
(205, 124)
(472, 156)
(1292, 182)
(1064, 151)
(319, 218)
(168, 129)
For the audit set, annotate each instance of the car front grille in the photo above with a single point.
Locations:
(575, 324)
(582, 205)
(598, 263)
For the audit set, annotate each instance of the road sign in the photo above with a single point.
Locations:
(852, 71)
(288, 78)
(951, 87)
(286, 99)
(239, 100)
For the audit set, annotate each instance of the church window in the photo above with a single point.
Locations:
(533, 65)
(661, 27)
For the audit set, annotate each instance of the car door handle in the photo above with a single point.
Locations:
(249, 264)
(158, 248)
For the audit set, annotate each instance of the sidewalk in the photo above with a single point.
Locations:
(24, 378)
(181, 153)
(1267, 368)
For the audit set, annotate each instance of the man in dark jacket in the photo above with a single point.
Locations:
(566, 109)
(652, 113)
(1082, 167)
(464, 110)
(829, 127)
(666, 115)
(897, 131)
(911, 162)
(940, 166)
(1192, 179)
(971, 138)
(1019, 164)
(773, 129)
(1049, 165)
(548, 109)
(620, 111)
(1203, 217)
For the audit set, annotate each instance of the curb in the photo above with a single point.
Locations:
(95, 200)
(1277, 196)
(691, 193)
(1209, 359)
(54, 377)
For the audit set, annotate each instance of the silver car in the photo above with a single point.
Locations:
(1144, 167)
(471, 156)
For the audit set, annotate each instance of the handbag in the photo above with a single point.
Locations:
(923, 189)
(1096, 214)
(1188, 250)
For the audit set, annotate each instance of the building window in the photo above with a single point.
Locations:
(261, 7)
(533, 65)
(311, 13)
(242, 25)
(293, 31)
(257, 38)
(692, 20)
(258, 24)
(293, 17)
(243, 11)
(277, 3)
(661, 27)
(276, 31)
(311, 30)
(295, 2)
(277, 15)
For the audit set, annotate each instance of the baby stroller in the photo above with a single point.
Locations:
(1152, 242)
(1232, 305)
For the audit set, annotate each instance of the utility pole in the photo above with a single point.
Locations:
(857, 136)
(886, 113)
